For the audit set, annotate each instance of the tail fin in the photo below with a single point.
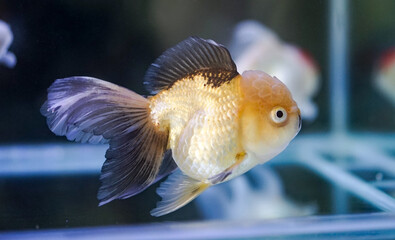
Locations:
(90, 110)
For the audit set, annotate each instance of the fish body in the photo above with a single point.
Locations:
(205, 123)
(203, 133)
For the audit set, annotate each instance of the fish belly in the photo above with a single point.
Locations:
(202, 122)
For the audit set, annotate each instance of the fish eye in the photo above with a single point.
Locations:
(279, 115)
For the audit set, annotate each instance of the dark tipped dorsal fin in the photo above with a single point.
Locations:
(191, 56)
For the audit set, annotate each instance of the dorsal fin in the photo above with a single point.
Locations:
(192, 56)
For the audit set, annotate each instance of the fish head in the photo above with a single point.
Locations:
(269, 117)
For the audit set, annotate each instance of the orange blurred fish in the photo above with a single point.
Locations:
(206, 120)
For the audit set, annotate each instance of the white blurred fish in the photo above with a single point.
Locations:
(6, 37)
(241, 199)
(384, 75)
(217, 123)
(254, 46)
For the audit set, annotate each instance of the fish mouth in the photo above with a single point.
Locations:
(299, 122)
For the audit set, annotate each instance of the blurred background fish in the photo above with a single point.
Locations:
(384, 75)
(6, 37)
(254, 46)
(260, 195)
(215, 123)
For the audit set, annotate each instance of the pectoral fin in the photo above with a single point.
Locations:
(224, 174)
(176, 192)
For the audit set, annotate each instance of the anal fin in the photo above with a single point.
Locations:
(177, 191)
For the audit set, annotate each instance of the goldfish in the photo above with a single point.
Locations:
(204, 123)
(258, 194)
(6, 37)
(384, 75)
(248, 197)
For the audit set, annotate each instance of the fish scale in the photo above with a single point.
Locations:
(213, 143)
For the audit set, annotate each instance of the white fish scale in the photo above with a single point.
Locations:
(203, 125)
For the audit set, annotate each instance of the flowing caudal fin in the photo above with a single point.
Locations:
(90, 110)
(176, 192)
